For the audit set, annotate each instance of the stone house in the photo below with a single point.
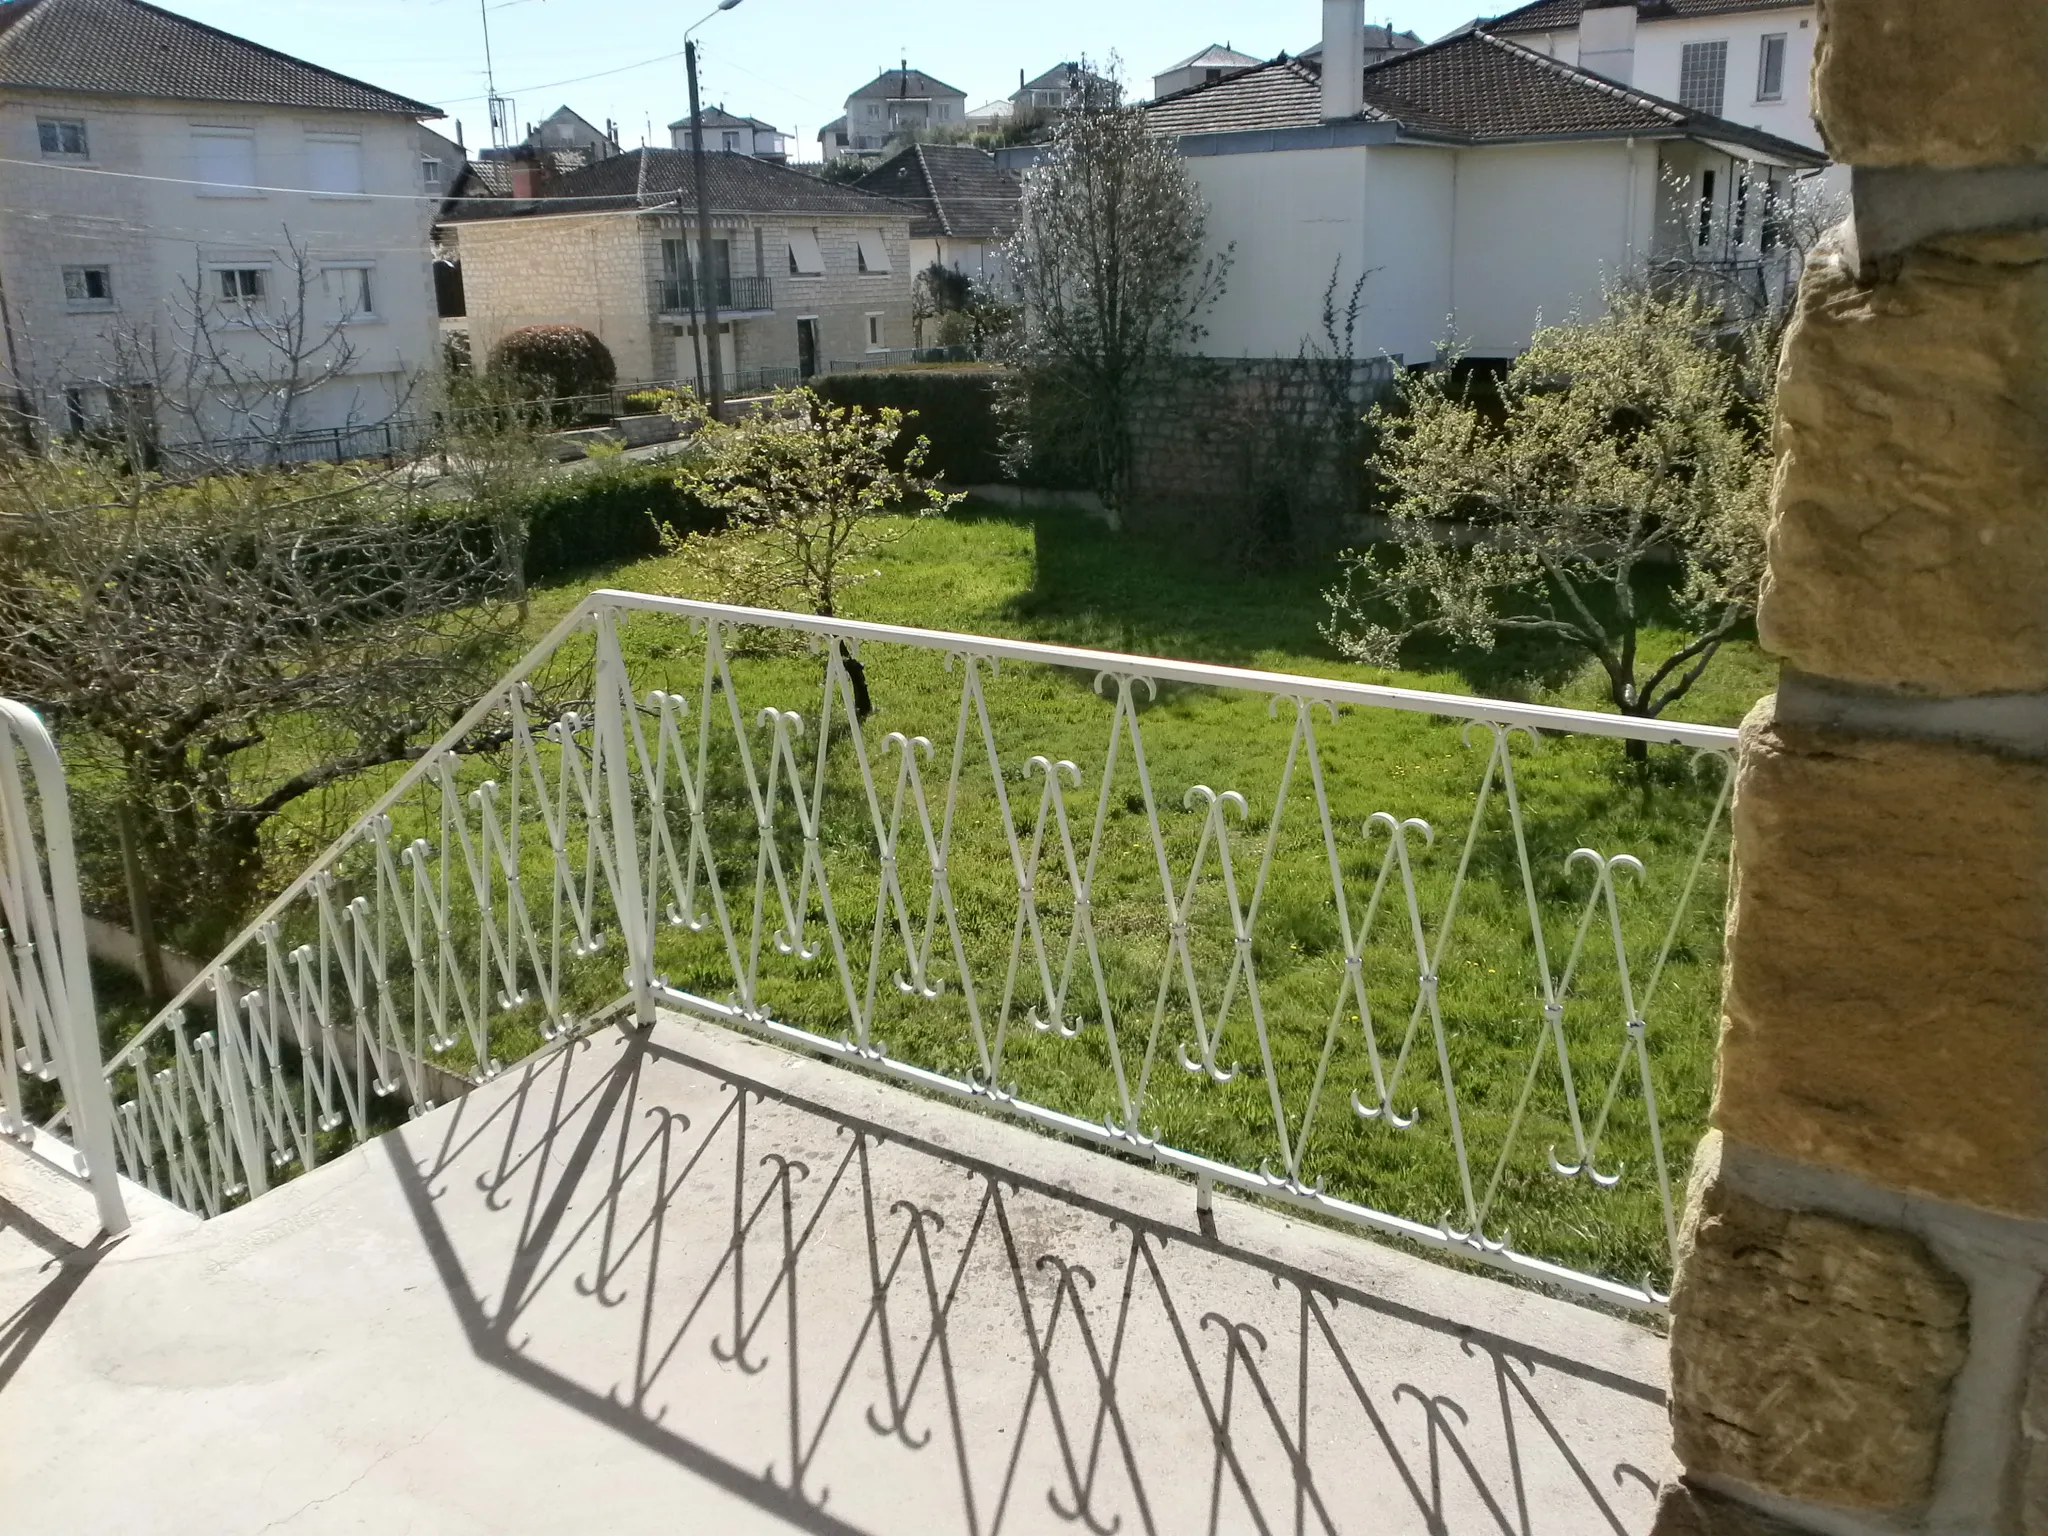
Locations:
(176, 199)
(806, 274)
(734, 134)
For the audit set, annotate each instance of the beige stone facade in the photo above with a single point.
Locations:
(604, 271)
(1857, 1326)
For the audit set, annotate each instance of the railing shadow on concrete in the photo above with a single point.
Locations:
(859, 1330)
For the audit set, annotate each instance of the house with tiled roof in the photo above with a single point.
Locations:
(1208, 67)
(895, 107)
(1479, 186)
(965, 206)
(733, 134)
(1750, 61)
(176, 192)
(804, 273)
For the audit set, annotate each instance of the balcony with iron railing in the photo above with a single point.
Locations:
(737, 297)
(1022, 889)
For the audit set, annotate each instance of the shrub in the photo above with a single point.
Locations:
(564, 361)
(614, 513)
(955, 409)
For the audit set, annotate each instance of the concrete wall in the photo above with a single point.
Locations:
(1477, 243)
(1540, 230)
(158, 237)
(599, 271)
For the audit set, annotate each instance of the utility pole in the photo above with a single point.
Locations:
(707, 295)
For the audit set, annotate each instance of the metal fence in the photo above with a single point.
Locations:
(735, 295)
(53, 1099)
(900, 357)
(1443, 967)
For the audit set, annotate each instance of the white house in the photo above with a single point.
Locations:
(964, 206)
(1750, 61)
(891, 109)
(1205, 68)
(168, 192)
(728, 133)
(1485, 188)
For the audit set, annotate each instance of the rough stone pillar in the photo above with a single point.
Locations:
(1860, 1324)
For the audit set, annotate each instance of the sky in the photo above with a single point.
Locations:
(792, 62)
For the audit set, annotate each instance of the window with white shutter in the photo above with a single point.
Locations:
(224, 163)
(874, 252)
(334, 165)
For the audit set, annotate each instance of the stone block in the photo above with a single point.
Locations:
(1886, 1008)
(1933, 82)
(1909, 543)
(1811, 1357)
(1686, 1511)
(2034, 1430)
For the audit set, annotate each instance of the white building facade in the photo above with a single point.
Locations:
(1480, 189)
(204, 239)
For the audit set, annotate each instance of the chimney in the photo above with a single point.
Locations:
(525, 178)
(1607, 40)
(1343, 59)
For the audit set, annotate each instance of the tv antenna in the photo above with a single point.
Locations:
(504, 111)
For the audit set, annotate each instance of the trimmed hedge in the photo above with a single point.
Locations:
(956, 409)
(565, 360)
(606, 516)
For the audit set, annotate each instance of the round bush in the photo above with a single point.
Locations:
(564, 361)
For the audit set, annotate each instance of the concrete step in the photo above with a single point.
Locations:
(688, 1282)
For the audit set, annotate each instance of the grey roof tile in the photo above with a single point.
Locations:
(127, 48)
(959, 192)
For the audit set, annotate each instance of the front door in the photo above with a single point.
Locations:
(807, 348)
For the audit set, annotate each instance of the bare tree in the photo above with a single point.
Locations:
(1109, 267)
(1626, 442)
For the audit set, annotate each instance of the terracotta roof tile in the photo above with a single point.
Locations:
(959, 192)
(1556, 15)
(737, 183)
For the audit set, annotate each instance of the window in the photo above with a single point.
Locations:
(1703, 77)
(874, 253)
(88, 288)
(224, 162)
(806, 259)
(732, 143)
(431, 176)
(1770, 79)
(1706, 208)
(241, 285)
(62, 136)
(334, 165)
(351, 291)
(875, 341)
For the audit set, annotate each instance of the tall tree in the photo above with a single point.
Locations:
(1109, 265)
(1638, 440)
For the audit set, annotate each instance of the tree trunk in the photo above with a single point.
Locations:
(141, 911)
(857, 675)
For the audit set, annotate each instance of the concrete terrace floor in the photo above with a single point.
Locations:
(686, 1282)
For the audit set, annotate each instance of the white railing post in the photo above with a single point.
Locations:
(56, 936)
(614, 698)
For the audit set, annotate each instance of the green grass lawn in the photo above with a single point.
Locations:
(1065, 581)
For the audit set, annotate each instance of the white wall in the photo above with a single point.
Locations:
(1661, 44)
(157, 236)
(1540, 230)
(1473, 243)
(1293, 216)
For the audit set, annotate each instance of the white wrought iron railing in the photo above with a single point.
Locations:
(1443, 967)
(53, 1098)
